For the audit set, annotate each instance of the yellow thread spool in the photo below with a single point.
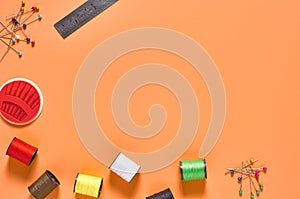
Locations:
(88, 185)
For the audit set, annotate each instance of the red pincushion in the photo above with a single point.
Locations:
(21, 101)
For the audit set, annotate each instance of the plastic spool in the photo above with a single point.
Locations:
(193, 169)
(21, 151)
(88, 185)
(44, 185)
(21, 101)
(166, 194)
(124, 167)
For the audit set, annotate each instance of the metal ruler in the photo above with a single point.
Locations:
(81, 16)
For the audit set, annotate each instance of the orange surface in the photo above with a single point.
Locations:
(255, 45)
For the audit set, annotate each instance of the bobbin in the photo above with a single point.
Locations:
(193, 169)
(44, 185)
(21, 151)
(88, 185)
(165, 194)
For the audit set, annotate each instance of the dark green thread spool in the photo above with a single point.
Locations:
(193, 169)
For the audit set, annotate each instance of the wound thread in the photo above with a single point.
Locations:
(166, 194)
(21, 151)
(193, 169)
(44, 185)
(88, 185)
(124, 167)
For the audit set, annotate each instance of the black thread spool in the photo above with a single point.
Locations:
(44, 185)
(166, 194)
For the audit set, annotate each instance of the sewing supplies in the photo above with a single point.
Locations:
(247, 171)
(193, 169)
(21, 151)
(81, 16)
(21, 101)
(88, 185)
(166, 194)
(153, 38)
(44, 185)
(124, 167)
(15, 30)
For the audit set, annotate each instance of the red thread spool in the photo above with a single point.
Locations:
(21, 101)
(21, 151)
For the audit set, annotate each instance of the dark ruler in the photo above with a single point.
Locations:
(81, 16)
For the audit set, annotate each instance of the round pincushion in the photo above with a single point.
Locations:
(21, 101)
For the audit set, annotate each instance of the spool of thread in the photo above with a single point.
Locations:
(21, 151)
(44, 185)
(88, 185)
(166, 194)
(124, 167)
(193, 169)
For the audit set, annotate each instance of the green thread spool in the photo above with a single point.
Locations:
(193, 169)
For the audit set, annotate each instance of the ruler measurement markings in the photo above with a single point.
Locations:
(81, 16)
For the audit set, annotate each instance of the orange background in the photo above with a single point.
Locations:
(255, 45)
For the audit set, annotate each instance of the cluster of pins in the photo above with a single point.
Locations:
(14, 30)
(248, 171)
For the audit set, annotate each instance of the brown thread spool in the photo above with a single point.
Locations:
(44, 185)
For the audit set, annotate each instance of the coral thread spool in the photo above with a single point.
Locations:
(88, 185)
(44, 185)
(193, 169)
(166, 194)
(21, 151)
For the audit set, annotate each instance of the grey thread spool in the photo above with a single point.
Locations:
(44, 185)
(166, 194)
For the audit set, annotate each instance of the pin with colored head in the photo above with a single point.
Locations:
(35, 8)
(15, 21)
(18, 22)
(248, 171)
